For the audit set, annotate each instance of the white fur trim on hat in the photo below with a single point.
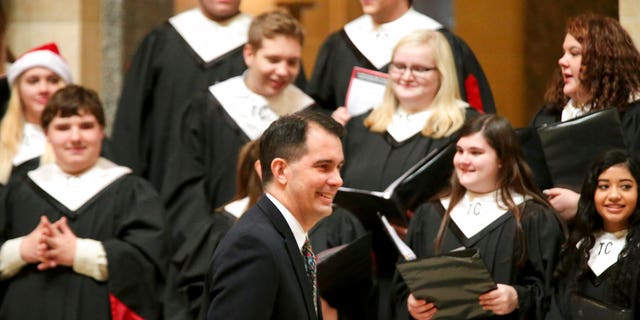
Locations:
(40, 58)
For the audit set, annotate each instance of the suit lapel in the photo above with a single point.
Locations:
(295, 257)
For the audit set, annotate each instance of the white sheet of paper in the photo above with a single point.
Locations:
(366, 89)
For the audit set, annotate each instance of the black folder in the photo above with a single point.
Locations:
(422, 181)
(591, 309)
(453, 281)
(345, 273)
(571, 146)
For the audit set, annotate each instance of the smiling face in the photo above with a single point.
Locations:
(273, 66)
(415, 80)
(76, 141)
(36, 86)
(615, 197)
(570, 65)
(476, 164)
(312, 181)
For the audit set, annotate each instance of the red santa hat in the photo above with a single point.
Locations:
(47, 56)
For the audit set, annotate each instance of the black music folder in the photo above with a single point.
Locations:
(346, 272)
(422, 181)
(571, 146)
(591, 309)
(453, 281)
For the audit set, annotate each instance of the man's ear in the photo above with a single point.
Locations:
(279, 168)
(248, 54)
(258, 168)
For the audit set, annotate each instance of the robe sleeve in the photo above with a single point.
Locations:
(130, 139)
(137, 256)
(544, 238)
(10, 260)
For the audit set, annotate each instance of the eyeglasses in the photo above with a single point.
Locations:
(399, 69)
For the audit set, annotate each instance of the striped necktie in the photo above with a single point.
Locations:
(310, 267)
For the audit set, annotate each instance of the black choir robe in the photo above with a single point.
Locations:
(165, 73)
(500, 249)
(126, 216)
(338, 55)
(599, 288)
(372, 161)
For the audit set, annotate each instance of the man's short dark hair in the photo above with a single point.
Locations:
(286, 138)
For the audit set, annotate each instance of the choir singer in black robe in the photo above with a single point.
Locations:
(493, 206)
(82, 238)
(600, 261)
(174, 62)
(368, 41)
(599, 68)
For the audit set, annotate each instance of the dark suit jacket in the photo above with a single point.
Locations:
(258, 272)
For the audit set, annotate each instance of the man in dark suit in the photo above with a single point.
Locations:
(258, 270)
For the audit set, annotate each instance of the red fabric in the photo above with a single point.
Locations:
(120, 311)
(473, 93)
(51, 46)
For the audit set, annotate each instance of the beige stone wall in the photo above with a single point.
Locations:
(73, 24)
(630, 18)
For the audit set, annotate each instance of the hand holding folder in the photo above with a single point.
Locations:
(453, 281)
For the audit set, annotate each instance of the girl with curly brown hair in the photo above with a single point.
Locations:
(599, 69)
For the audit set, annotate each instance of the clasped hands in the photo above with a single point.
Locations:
(49, 244)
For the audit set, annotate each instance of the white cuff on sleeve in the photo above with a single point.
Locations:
(91, 259)
(10, 259)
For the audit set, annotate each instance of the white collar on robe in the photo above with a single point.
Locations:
(405, 125)
(238, 207)
(570, 111)
(208, 38)
(376, 44)
(252, 112)
(32, 145)
(476, 212)
(606, 250)
(74, 191)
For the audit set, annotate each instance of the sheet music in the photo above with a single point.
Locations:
(405, 251)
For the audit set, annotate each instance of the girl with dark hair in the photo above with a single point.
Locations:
(600, 260)
(599, 69)
(493, 206)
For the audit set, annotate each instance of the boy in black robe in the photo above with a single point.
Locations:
(82, 238)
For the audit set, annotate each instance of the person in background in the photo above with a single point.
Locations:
(368, 42)
(82, 238)
(216, 123)
(516, 232)
(599, 68)
(600, 259)
(421, 112)
(265, 258)
(174, 62)
(34, 77)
